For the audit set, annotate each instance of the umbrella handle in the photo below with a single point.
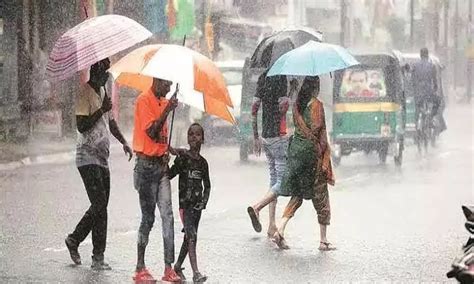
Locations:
(171, 128)
(172, 116)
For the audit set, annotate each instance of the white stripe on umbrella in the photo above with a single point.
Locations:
(91, 41)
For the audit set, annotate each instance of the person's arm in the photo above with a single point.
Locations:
(154, 130)
(207, 185)
(323, 137)
(86, 122)
(257, 101)
(255, 108)
(435, 80)
(115, 130)
(176, 168)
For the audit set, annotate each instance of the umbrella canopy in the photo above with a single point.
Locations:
(272, 47)
(313, 59)
(201, 83)
(91, 41)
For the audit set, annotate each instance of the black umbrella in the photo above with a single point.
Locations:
(274, 46)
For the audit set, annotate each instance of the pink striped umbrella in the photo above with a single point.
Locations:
(91, 41)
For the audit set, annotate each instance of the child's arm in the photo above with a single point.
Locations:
(207, 185)
(176, 168)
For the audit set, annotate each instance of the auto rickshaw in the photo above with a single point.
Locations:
(369, 108)
(407, 60)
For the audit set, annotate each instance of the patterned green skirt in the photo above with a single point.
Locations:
(301, 173)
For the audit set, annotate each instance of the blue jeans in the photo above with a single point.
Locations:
(276, 151)
(153, 186)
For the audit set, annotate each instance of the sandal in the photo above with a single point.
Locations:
(279, 240)
(180, 273)
(254, 218)
(199, 278)
(326, 246)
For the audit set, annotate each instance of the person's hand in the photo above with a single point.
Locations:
(128, 151)
(177, 151)
(106, 104)
(257, 146)
(199, 206)
(173, 103)
(166, 158)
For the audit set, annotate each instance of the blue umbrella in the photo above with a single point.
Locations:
(313, 59)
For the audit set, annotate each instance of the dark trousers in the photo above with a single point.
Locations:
(190, 218)
(97, 183)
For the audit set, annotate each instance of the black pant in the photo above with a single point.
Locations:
(97, 183)
(191, 218)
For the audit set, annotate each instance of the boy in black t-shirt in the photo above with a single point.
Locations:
(194, 189)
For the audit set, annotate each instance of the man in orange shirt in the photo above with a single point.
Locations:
(150, 143)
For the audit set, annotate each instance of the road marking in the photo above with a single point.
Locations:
(55, 249)
(127, 233)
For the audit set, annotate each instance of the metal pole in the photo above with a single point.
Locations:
(455, 45)
(412, 23)
(446, 27)
(446, 47)
(343, 22)
(436, 28)
(469, 59)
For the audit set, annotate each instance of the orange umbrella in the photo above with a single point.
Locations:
(201, 83)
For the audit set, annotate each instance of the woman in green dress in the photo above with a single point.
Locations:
(309, 162)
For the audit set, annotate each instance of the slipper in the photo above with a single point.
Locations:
(279, 240)
(326, 246)
(254, 218)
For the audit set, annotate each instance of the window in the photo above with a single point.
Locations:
(363, 83)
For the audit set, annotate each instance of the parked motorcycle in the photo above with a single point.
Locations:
(462, 267)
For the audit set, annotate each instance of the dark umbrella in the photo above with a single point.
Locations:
(274, 46)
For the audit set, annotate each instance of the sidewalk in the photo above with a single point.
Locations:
(42, 150)
(14, 154)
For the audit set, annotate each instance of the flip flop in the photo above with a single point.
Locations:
(254, 218)
(279, 240)
(326, 246)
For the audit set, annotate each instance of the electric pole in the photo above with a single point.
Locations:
(412, 23)
(469, 55)
(343, 22)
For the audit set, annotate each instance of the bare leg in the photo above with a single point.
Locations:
(182, 254)
(323, 208)
(322, 233)
(290, 209)
(272, 228)
(267, 199)
(192, 255)
(289, 212)
(282, 227)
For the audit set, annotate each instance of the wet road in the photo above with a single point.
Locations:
(388, 223)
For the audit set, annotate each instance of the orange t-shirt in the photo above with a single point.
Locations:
(149, 108)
